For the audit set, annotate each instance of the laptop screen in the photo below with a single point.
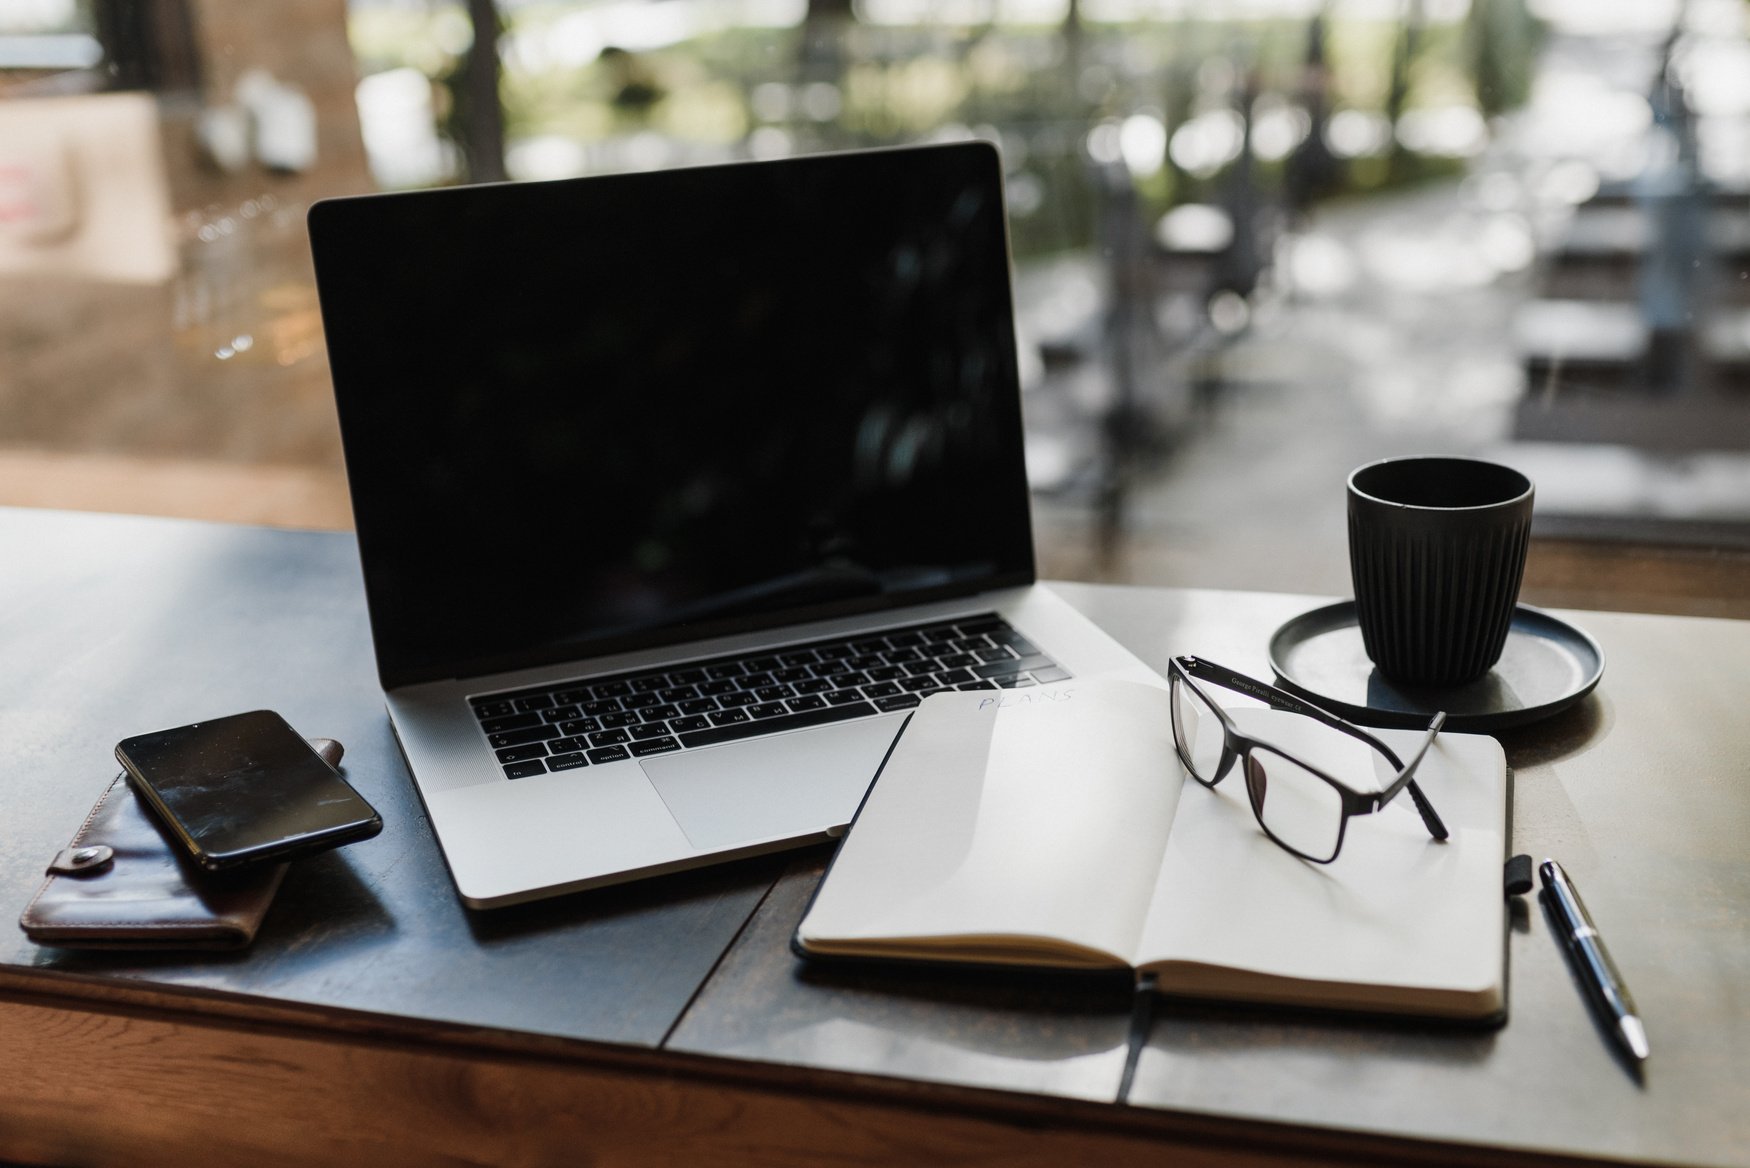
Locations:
(588, 415)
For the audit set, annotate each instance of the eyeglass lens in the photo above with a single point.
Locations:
(1302, 811)
(1197, 733)
(1295, 805)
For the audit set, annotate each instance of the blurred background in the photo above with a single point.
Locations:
(1256, 242)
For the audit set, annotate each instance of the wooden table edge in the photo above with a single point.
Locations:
(222, 1076)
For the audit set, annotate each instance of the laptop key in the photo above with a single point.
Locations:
(750, 728)
(534, 702)
(690, 722)
(807, 702)
(903, 701)
(623, 718)
(567, 762)
(654, 746)
(841, 697)
(727, 718)
(524, 770)
(493, 709)
(766, 710)
(523, 737)
(1016, 665)
(513, 722)
(522, 753)
(649, 730)
(608, 737)
(1051, 673)
(608, 754)
(880, 689)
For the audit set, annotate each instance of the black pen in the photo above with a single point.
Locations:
(1604, 985)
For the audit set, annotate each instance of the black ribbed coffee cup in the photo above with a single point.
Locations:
(1437, 552)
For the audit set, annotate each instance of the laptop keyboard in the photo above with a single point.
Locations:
(573, 724)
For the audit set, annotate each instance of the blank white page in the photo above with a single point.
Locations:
(1006, 815)
(1396, 914)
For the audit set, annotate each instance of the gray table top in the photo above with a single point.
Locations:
(116, 625)
(111, 625)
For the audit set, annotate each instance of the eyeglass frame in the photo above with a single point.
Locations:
(1236, 744)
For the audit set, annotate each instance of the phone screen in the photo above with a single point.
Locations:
(245, 787)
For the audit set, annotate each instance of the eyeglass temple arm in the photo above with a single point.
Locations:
(1283, 700)
(1430, 817)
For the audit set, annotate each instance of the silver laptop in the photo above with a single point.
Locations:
(675, 491)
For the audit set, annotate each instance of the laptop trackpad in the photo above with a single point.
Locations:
(784, 786)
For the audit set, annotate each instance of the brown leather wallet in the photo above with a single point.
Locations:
(124, 883)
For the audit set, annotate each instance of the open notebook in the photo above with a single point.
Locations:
(1062, 832)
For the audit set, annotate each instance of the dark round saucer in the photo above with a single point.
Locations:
(1547, 666)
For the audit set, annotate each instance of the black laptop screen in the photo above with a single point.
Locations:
(592, 414)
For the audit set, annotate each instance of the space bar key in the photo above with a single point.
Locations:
(762, 726)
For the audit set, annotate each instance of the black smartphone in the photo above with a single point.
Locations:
(245, 788)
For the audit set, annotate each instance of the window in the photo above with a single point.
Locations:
(1257, 243)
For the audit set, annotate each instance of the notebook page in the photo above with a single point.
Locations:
(1006, 815)
(1395, 916)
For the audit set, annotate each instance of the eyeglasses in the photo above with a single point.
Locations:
(1297, 804)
